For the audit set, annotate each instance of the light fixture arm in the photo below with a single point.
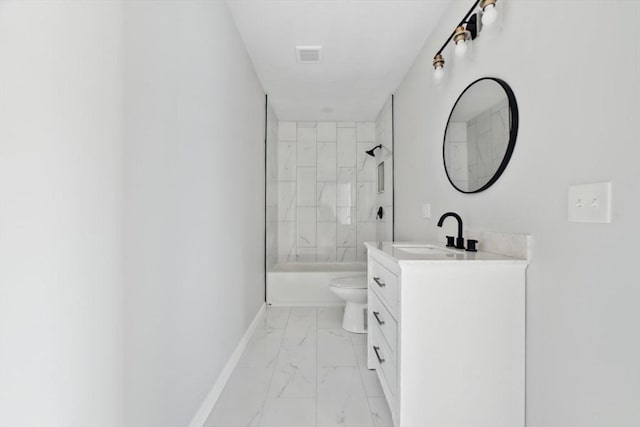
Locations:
(481, 12)
(464, 21)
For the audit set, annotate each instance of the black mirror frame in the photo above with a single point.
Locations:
(513, 133)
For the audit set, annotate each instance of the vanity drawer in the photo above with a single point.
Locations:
(381, 317)
(385, 362)
(385, 284)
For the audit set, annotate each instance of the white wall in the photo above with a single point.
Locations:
(578, 91)
(194, 204)
(60, 213)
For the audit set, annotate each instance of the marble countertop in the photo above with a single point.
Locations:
(394, 252)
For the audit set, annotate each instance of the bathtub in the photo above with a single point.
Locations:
(307, 283)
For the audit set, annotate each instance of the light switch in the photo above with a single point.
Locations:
(590, 202)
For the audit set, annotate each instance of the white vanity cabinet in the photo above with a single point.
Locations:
(447, 336)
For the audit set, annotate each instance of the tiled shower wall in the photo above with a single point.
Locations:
(384, 136)
(475, 148)
(488, 137)
(271, 177)
(326, 191)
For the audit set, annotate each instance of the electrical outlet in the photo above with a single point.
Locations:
(590, 202)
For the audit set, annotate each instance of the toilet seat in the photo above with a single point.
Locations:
(353, 282)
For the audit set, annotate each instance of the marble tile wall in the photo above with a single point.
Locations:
(456, 153)
(384, 136)
(273, 197)
(487, 139)
(326, 191)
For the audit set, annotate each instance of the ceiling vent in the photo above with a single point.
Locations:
(309, 54)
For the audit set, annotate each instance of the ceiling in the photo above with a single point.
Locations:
(367, 47)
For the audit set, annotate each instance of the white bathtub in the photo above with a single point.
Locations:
(307, 283)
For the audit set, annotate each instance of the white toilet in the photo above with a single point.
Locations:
(354, 291)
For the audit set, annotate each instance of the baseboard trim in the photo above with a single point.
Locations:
(306, 304)
(212, 397)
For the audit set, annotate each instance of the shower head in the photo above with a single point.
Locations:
(371, 152)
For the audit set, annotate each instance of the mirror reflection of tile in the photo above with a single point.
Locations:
(477, 139)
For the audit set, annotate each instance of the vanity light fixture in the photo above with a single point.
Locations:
(466, 31)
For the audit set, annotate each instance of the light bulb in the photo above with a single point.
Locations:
(438, 73)
(489, 15)
(461, 47)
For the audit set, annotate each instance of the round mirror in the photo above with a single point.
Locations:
(480, 135)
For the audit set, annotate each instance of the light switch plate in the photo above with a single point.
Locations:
(590, 202)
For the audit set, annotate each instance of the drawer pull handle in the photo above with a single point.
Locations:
(380, 359)
(376, 314)
(381, 284)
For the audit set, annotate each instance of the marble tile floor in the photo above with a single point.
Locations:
(301, 369)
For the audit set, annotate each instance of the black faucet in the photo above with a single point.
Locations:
(459, 240)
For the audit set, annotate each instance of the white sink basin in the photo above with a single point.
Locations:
(423, 249)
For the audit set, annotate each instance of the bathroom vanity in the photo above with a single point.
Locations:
(446, 334)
